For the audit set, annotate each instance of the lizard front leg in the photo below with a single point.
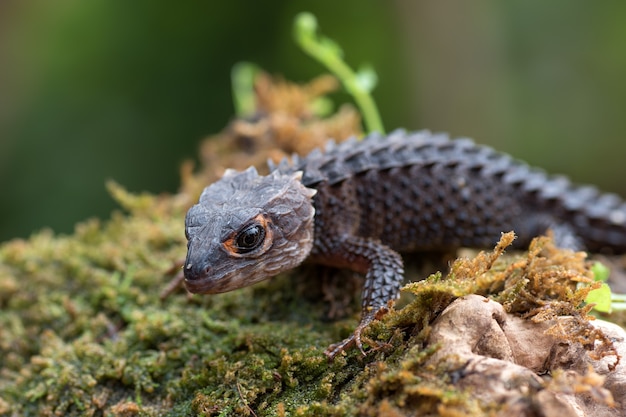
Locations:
(384, 274)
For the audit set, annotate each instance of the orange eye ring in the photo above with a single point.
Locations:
(254, 235)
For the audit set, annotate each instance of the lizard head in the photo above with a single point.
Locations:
(246, 228)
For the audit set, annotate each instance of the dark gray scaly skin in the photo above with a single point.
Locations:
(361, 203)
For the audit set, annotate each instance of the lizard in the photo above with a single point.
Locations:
(363, 204)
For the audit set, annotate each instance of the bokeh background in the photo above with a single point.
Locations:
(126, 90)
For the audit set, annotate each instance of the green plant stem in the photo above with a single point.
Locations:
(328, 53)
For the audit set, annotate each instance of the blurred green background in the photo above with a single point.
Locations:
(125, 90)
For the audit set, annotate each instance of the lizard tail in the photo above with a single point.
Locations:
(598, 219)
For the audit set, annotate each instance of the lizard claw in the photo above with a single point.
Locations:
(355, 339)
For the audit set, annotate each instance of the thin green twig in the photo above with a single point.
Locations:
(358, 84)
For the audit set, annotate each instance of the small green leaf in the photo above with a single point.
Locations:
(322, 106)
(331, 47)
(367, 78)
(305, 25)
(242, 79)
(600, 272)
(601, 297)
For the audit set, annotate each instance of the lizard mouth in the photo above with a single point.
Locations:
(206, 285)
(207, 280)
(199, 279)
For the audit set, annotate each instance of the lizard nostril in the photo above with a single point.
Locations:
(193, 271)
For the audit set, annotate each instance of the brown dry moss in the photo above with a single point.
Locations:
(285, 122)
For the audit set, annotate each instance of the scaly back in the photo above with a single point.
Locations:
(599, 219)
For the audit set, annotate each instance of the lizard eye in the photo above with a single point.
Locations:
(250, 238)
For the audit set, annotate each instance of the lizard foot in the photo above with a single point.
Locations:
(355, 339)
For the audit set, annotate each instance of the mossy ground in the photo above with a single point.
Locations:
(84, 331)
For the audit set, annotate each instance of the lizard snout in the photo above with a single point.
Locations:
(196, 270)
(197, 265)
